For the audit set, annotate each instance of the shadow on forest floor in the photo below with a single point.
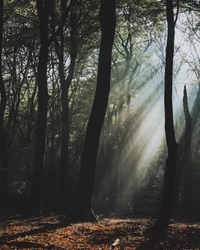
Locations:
(111, 233)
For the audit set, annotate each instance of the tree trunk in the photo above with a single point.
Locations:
(43, 97)
(83, 203)
(178, 178)
(65, 84)
(162, 223)
(3, 149)
(187, 170)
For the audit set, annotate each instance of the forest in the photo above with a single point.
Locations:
(99, 119)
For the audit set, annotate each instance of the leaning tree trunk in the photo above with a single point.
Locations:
(83, 203)
(36, 188)
(162, 223)
(3, 150)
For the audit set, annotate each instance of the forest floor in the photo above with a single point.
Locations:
(111, 233)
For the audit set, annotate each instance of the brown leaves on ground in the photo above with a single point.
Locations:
(49, 233)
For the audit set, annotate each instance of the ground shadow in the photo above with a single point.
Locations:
(44, 228)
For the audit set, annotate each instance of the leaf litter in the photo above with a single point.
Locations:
(109, 233)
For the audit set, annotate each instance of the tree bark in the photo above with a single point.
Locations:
(188, 169)
(162, 223)
(3, 149)
(43, 97)
(184, 168)
(83, 204)
(178, 178)
(65, 84)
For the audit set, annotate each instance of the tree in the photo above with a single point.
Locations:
(43, 8)
(65, 84)
(162, 223)
(184, 170)
(187, 164)
(83, 203)
(3, 150)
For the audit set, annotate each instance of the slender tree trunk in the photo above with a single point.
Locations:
(65, 135)
(65, 125)
(178, 178)
(185, 168)
(162, 223)
(65, 84)
(43, 97)
(171, 162)
(83, 204)
(188, 170)
(3, 149)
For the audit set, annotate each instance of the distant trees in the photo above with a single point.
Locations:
(3, 146)
(65, 84)
(74, 15)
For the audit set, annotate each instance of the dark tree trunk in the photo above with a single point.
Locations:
(65, 122)
(43, 97)
(65, 84)
(162, 223)
(187, 170)
(83, 204)
(178, 178)
(3, 149)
